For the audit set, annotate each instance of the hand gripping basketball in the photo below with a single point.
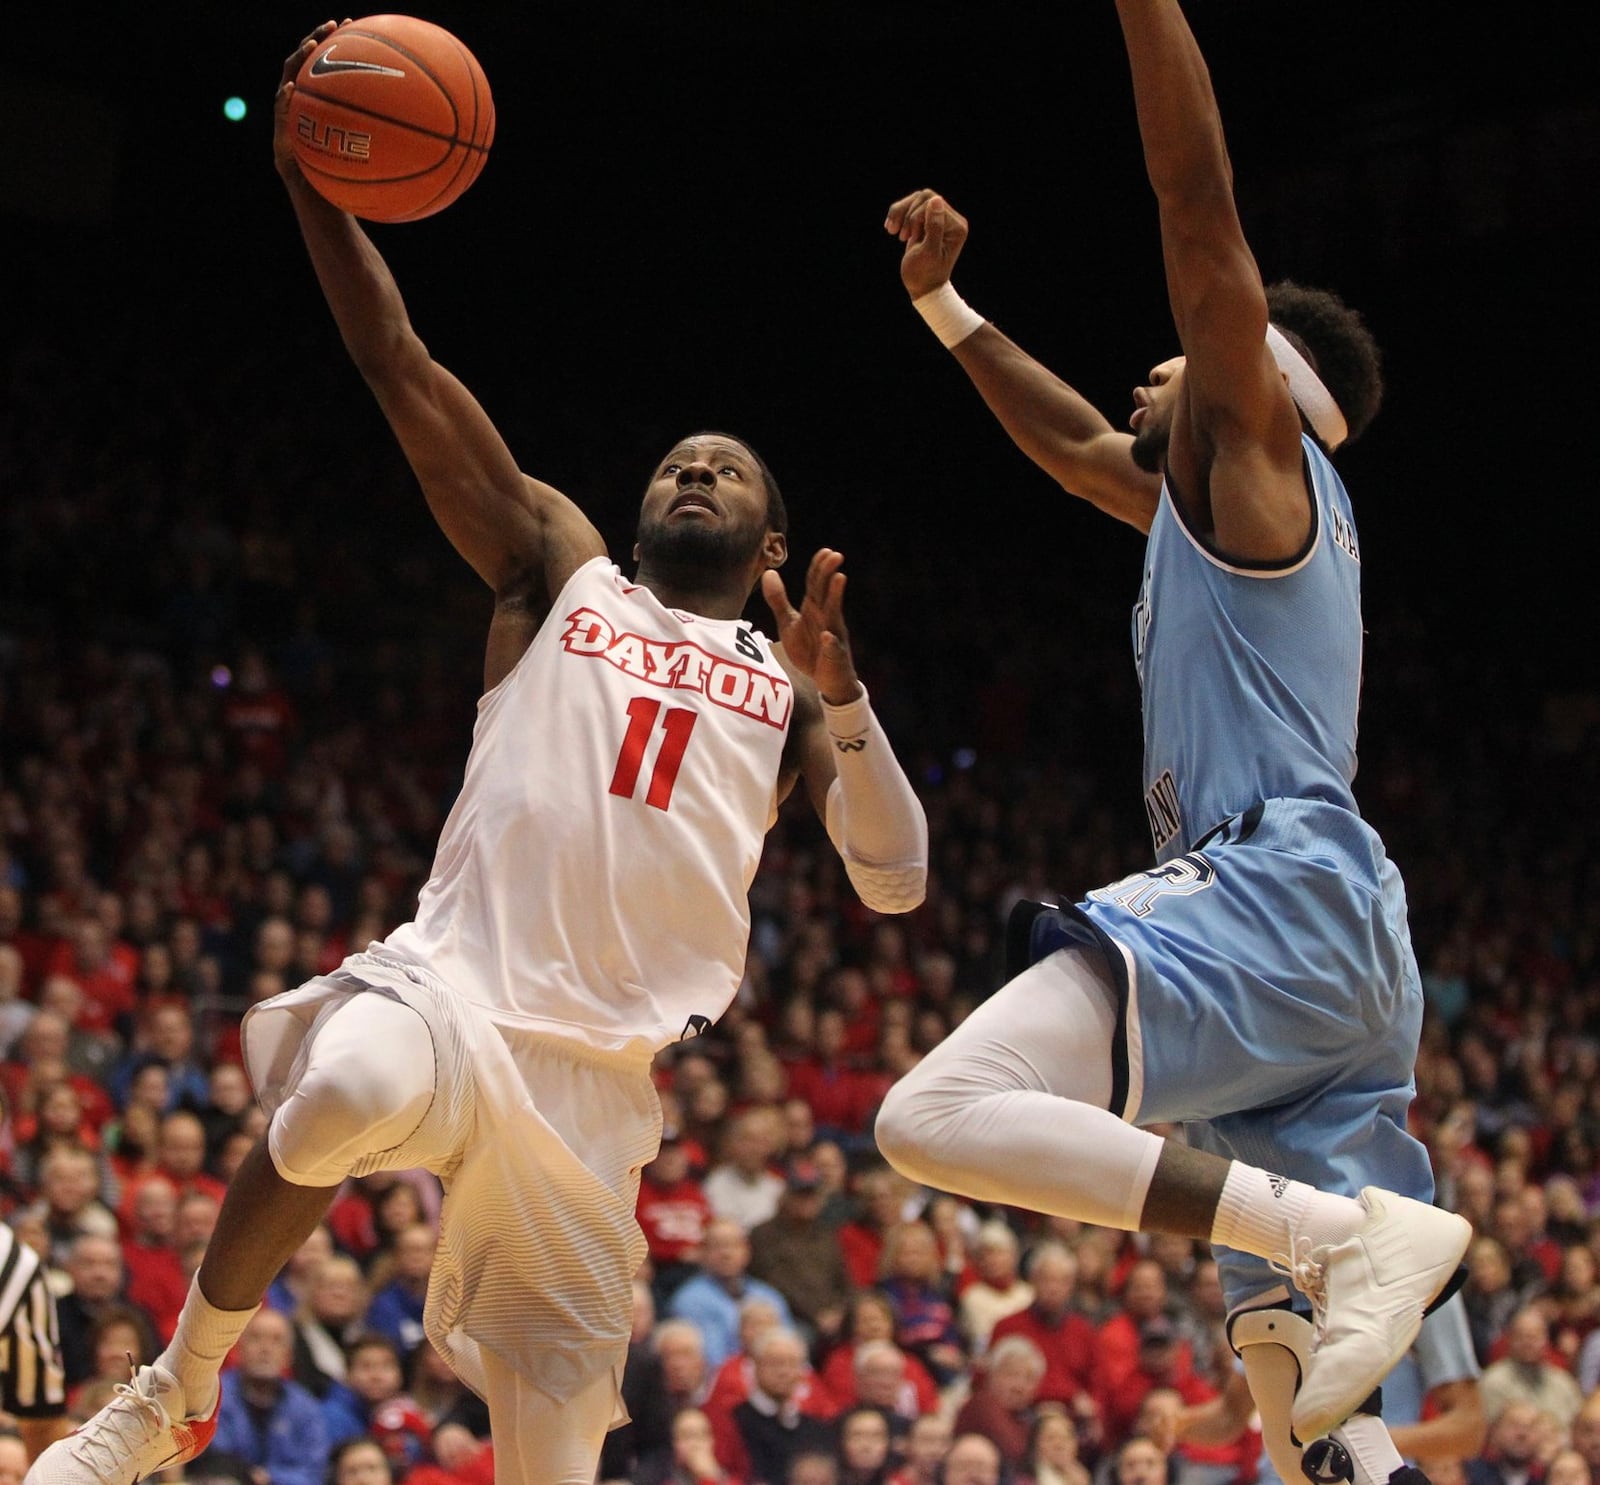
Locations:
(389, 117)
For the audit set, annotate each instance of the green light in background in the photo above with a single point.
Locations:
(234, 109)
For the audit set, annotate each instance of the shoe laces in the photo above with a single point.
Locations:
(1303, 1266)
(131, 1421)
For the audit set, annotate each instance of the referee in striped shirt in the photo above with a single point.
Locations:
(33, 1386)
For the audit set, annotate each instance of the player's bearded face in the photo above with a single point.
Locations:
(1153, 430)
(695, 550)
(1150, 445)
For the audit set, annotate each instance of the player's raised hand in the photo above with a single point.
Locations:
(934, 233)
(813, 636)
(282, 148)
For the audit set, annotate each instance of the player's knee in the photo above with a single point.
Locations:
(901, 1129)
(369, 1100)
(337, 1115)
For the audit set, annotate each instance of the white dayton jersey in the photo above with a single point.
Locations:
(591, 880)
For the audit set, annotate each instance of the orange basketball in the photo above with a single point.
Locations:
(391, 118)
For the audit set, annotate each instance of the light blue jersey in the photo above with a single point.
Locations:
(1251, 674)
(1270, 999)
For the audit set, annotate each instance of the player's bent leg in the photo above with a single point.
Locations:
(1013, 1105)
(368, 1083)
(347, 1104)
(539, 1441)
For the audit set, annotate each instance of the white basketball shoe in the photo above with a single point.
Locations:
(130, 1439)
(1368, 1295)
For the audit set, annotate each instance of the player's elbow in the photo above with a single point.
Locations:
(889, 889)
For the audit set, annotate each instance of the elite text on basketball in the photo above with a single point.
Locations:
(330, 139)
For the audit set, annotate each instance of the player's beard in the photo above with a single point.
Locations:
(692, 554)
(1149, 450)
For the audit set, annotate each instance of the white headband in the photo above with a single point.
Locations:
(1305, 386)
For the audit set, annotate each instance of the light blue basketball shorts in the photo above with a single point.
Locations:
(1270, 1001)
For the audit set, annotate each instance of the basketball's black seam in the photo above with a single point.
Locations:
(370, 180)
(427, 206)
(385, 118)
(472, 79)
(427, 71)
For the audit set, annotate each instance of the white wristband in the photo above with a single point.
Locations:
(949, 316)
(848, 722)
(872, 814)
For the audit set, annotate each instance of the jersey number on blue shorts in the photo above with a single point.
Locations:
(1183, 876)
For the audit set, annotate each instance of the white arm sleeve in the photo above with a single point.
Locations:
(873, 817)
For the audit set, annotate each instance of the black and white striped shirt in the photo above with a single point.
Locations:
(32, 1383)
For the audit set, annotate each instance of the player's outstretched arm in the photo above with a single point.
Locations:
(856, 784)
(523, 537)
(1050, 422)
(1235, 445)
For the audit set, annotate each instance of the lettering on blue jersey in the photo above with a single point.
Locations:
(1161, 806)
(1183, 876)
(1141, 624)
(745, 643)
(1344, 535)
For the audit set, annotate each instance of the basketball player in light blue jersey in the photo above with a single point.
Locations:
(1258, 985)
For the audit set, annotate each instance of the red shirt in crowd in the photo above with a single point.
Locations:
(840, 1097)
(108, 991)
(839, 1378)
(1070, 1347)
(1117, 1348)
(155, 1283)
(862, 1247)
(1120, 1400)
(737, 1375)
(673, 1218)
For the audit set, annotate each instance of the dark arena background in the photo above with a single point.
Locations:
(238, 662)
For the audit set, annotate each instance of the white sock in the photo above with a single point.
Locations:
(1372, 1451)
(1263, 1214)
(200, 1345)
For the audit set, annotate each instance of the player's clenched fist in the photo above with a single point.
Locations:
(934, 233)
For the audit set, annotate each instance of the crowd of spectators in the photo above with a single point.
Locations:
(226, 748)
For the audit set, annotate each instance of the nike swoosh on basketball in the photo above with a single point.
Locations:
(325, 64)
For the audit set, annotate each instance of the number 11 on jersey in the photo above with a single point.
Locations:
(676, 726)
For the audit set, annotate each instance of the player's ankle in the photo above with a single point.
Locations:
(198, 1380)
(1270, 1216)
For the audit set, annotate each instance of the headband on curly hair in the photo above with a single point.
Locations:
(1306, 387)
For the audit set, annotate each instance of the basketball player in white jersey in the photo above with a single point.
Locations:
(1258, 984)
(587, 906)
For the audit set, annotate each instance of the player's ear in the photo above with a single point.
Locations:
(775, 549)
(636, 554)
